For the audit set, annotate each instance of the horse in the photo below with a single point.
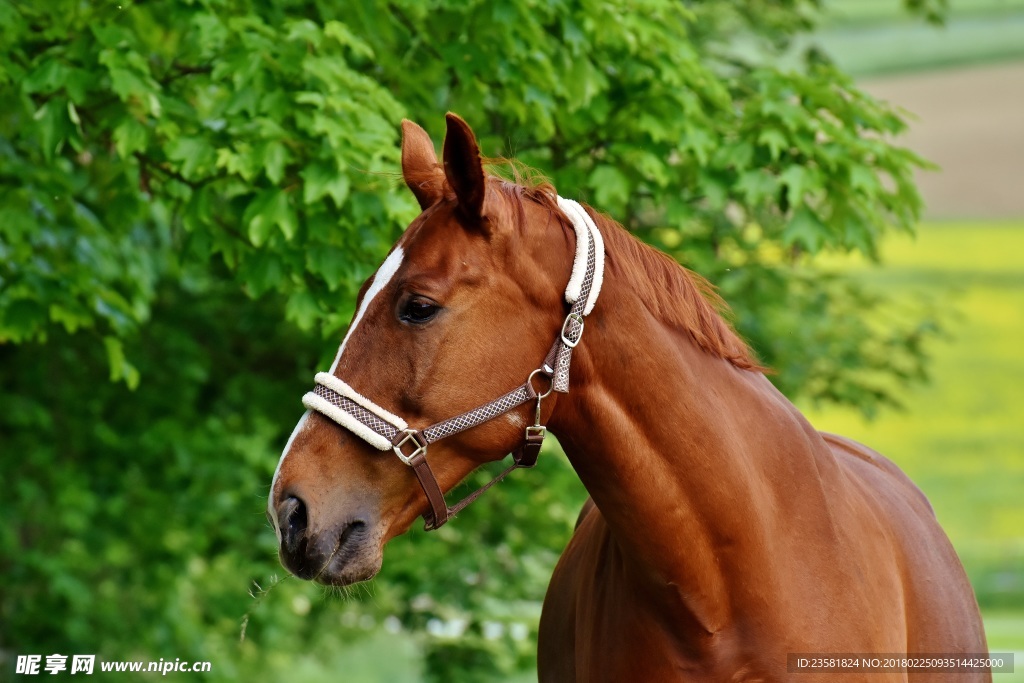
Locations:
(723, 533)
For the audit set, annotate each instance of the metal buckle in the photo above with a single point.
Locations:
(414, 436)
(536, 431)
(578, 319)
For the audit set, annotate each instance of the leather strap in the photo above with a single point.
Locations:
(439, 510)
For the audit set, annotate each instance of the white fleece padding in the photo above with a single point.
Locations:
(595, 286)
(585, 229)
(381, 279)
(579, 263)
(321, 405)
(340, 386)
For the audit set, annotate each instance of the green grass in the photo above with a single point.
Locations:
(962, 436)
(846, 12)
(897, 47)
(875, 37)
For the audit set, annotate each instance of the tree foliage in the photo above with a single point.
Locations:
(159, 159)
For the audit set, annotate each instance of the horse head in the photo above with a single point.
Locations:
(464, 307)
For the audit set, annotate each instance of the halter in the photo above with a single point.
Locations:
(384, 430)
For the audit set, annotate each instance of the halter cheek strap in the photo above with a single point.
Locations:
(335, 399)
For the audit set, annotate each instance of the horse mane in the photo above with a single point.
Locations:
(672, 293)
(676, 295)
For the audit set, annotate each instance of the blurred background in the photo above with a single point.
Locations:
(191, 194)
(960, 436)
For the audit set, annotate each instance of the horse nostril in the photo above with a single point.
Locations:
(292, 520)
(354, 528)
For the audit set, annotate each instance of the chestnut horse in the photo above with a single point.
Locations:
(724, 533)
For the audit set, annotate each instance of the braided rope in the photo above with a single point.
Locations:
(472, 418)
(371, 420)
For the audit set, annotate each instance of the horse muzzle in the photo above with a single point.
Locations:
(336, 554)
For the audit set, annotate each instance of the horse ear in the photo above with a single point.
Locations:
(463, 168)
(419, 164)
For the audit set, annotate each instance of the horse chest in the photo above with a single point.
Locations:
(602, 622)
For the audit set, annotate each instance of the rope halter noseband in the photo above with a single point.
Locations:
(384, 430)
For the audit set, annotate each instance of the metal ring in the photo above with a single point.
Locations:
(410, 435)
(551, 383)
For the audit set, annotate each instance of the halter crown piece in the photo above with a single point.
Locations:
(385, 431)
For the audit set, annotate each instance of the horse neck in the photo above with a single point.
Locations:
(690, 459)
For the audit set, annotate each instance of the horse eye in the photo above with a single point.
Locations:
(418, 310)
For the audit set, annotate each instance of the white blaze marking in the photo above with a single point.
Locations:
(381, 279)
(384, 274)
(273, 482)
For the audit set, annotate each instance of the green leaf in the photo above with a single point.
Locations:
(268, 209)
(331, 263)
(128, 84)
(284, 216)
(863, 179)
(275, 157)
(306, 30)
(757, 185)
(195, 155)
(738, 156)
(48, 77)
(262, 273)
(774, 140)
(21, 319)
(302, 309)
(805, 229)
(610, 185)
(257, 219)
(72, 319)
(344, 35)
(324, 179)
(120, 368)
(53, 126)
(796, 179)
(699, 141)
(130, 136)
